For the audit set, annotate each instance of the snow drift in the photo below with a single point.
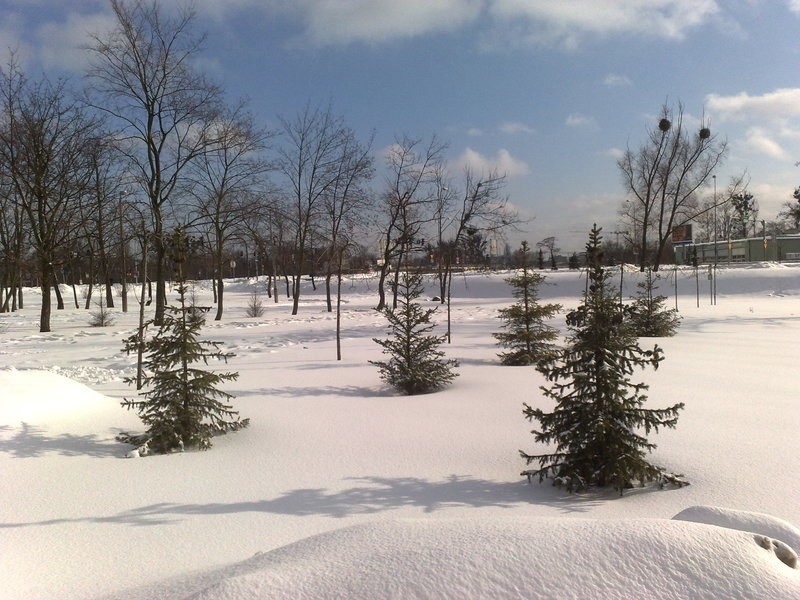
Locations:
(505, 558)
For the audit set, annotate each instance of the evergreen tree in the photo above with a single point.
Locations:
(183, 405)
(528, 338)
(101, 317)
(648, 316)
(574, 263)
(598, 417)
(416, 365)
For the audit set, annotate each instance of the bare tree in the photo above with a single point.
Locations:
(716, 214)
(550, 244)
(101, 222)
(413, 170)
(663, 178)
(745, 210)
(12, 236)
(482, 210)
(44, 138)
(346, 204)
(791, 210)
(13, 228)
(165, 108)
(224, 183)
(309, 161)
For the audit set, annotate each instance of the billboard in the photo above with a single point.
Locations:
(682, 234)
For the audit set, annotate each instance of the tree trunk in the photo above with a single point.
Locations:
(140, 333)
(218, 282)
(382, 287)
(57, 289)
(161, 287)
(105, 269)
(338, 307)
(219, 285)
(396, 281)
(44, 315)
(296, 279)
(328, 290)
(109, 291)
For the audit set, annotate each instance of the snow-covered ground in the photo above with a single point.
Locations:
(341, 489)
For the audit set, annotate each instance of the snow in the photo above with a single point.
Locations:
(340, 488)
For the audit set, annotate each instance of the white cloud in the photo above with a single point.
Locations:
(794, 5)
(615, 153)
(577, 120)
(329, 22)
(502, 162)
(11, 24)
(612, 80)
(787, 132)
(771, 118)
(566, 23)
(61, 43)
(474, 132)
(759, 139)
(515, 127)
(340, 22)
(782, 103)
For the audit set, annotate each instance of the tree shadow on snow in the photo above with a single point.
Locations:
(350, 391)
(31, 441)
(368, 495)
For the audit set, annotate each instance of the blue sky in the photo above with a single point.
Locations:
(550, 92)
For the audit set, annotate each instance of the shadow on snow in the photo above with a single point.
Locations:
(368, 495)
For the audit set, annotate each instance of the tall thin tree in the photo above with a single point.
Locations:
(145, 80)
(225, 182)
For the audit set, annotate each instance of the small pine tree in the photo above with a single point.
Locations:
(183, 405)
(648, 316)
(416, 365)
(598, 416)
(528, 338)
(101, 317)
(255, 306)
(574, 263)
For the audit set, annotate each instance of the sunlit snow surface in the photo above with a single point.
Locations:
(340, 489)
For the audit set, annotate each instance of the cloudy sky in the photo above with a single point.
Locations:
(548, 92)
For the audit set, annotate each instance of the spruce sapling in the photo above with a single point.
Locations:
(183, 405)
(648, 316)
(527, 337)
(596, 425)
(416, 365)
